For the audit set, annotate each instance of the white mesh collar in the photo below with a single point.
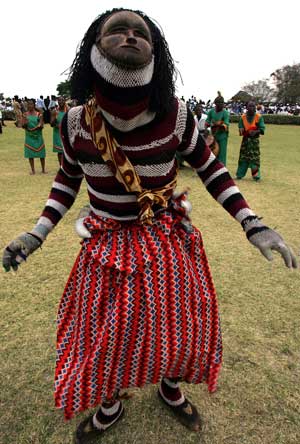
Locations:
(118, 76)
(128, 125)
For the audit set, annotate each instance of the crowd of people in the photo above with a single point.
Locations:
(233, 107)
(18, 105)
(213, 122)
(212, 118)
(239, 107)
(31, 115)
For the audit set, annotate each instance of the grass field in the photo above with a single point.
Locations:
(259, 389)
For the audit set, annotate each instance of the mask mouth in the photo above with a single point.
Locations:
(122, 64)
(131, 47)
(118, 73)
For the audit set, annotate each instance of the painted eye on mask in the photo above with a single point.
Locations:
(123, 30)
(117, 30)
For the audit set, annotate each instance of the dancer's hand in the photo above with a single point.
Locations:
(266, 240)
(81, 230)
(19, 249)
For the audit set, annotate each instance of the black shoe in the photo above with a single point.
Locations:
(86, 429)
(186, 413)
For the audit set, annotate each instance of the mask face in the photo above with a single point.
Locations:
(126, 40)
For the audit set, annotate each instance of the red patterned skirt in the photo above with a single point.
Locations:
(139, 304)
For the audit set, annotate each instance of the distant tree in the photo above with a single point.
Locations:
(1, 96)
(64, 89)
(287, 81)
(260, 90)
(242, 96)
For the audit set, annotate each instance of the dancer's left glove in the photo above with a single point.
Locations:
(266, 240)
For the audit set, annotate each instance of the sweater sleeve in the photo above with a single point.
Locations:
(212, 172)
(64, 188)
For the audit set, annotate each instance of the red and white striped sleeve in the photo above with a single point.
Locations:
(64, 188)
(212, 172)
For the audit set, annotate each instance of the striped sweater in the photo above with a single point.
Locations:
(151, 149)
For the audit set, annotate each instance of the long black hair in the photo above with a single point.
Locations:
(164, 75)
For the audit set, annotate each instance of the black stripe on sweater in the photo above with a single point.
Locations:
(232, 199)
(50, 211)
(218, 181)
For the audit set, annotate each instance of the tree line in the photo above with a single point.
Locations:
(283, 86)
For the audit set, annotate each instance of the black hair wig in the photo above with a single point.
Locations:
(164, 75)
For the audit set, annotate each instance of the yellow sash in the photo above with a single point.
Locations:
(122, 168)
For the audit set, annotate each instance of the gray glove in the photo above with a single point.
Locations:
(81, 230)
(266, 240)
(18, 250)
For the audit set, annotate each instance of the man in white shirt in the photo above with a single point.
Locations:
(53, 103)
(40, 103)
(200, 118)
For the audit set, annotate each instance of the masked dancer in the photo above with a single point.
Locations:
(140, 305)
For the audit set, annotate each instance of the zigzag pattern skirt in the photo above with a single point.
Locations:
(139, 304)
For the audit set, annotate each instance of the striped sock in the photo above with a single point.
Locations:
(171, 393)
(107, 414)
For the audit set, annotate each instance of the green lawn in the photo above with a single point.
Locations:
(259, 396)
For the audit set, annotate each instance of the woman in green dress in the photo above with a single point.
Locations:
(218, 120)
(55, 121)
(34, 146)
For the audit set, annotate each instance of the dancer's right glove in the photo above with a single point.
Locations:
(266, 240)
(25, 244)
(19, 249)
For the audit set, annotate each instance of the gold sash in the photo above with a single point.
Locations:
(122, 168)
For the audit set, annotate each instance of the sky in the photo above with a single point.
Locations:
(217, 45)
